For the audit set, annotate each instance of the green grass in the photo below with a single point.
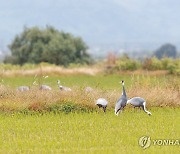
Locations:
(93, 132)
(99, 81)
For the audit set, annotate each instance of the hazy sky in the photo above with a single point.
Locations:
(96, 21)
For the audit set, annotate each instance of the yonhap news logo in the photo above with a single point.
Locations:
(146, 141)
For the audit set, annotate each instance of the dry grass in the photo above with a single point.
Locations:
(157, 96)
(58, 70)
(50, 70)
(145, 72)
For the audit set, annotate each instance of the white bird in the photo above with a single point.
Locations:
(45, 87)
(63, 88)
(23, 88)
(88, 89)
(101, 102)
(139, 102)
(121, 103)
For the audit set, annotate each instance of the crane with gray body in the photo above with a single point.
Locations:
(42, 86)
(63, 88)
(45, 87)
(102, 103)
(23, 88)
(121, 103)
(139, 102)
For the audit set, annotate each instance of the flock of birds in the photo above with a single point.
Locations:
(101, 102)
(123, 101)
(44, 87)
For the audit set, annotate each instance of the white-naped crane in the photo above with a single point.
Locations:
(63, 88)
(45, 87)
(23, 88)
(139, 102)
(122, 101)
(102, 103)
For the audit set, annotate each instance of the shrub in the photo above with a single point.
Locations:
(152, 64)
(174, 67)
(127, 64)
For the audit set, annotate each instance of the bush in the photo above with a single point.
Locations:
(174, 67)
(166, 62)
(128, 65)
(152, 64)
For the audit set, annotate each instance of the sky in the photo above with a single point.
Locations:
(113, 23)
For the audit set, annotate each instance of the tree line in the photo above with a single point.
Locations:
(36, 45)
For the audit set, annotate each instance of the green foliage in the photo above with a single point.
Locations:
(127, 64)
(166, 50)
(35, 45)
(152, 64)
(11, 59)
(172, 65)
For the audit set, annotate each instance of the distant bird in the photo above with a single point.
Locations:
(63, 88)
(45, 87)
(138, 102)
(23, 88)
(88, 89)
(121, 103)
(101, 102)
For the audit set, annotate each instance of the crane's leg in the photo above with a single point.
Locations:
(104, 108)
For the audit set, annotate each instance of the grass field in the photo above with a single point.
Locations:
(88, 132)
(75, 125)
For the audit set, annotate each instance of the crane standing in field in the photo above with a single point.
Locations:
(121, 103)
(101, 102)
(63, 88)
(23, 88)
(138, 102)
(45, 87)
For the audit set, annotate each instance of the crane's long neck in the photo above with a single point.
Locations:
(124, 91)
(145, 110)
(59, 83)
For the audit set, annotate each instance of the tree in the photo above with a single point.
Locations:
(166, 50)
(35, 45)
